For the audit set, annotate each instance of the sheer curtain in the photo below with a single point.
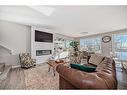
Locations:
(120, 46)
(91, 44)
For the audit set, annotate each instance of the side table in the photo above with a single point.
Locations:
(53, 64)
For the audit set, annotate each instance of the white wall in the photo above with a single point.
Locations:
(4, 52)
(106, 47)
(16, 37)
(40, 45)
(63, 36)
(43, 45)
(21, 38)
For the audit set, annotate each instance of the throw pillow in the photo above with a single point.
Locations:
(83, 67)
(95, 59)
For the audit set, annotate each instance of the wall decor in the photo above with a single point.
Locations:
(106, 39)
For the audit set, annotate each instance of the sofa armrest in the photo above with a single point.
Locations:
(80, 79)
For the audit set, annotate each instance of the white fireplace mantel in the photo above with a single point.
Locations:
(40, 45)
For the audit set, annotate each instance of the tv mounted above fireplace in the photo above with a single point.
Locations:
(41, 36)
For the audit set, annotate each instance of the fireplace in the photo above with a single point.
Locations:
(43, 52)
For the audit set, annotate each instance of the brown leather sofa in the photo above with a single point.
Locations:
(103, 78)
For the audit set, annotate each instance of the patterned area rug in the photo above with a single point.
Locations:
(40, 78)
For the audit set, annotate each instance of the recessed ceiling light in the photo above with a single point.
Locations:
(84, 33)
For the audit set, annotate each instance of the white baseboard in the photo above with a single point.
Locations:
(16, 66)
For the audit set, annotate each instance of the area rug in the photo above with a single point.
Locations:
(40, 78)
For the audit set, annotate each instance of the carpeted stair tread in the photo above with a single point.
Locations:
(2, 65)
(5, 72)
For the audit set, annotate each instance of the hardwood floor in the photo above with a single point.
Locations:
(122, 79)
(16, 79)
(121, 76)
(34, 78)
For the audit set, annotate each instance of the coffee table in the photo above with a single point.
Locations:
(53, 64)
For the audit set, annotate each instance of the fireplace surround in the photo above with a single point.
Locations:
(43, 52)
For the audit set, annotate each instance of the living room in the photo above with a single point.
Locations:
(52, 47)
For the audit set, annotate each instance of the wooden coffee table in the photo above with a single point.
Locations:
(52, 64)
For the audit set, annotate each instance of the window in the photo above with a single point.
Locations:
(91, 44)
(120, 46)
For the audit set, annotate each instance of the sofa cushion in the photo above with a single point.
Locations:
(83, 67)
(95, 59)
(103, 64)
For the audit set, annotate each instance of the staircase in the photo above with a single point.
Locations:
(5, 48)
(4, 70)
(6, 61)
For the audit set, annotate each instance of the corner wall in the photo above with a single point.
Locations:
(16, 37)
(106, 47)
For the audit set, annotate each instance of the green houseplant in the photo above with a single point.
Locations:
(75, 44)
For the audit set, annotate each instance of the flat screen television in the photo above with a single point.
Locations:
(41, 36)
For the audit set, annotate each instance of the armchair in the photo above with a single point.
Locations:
(26, 61)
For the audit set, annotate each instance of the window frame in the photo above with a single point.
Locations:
(113, 46)
(92, 41)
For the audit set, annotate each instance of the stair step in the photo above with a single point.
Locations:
(5, 72)
(2, 65)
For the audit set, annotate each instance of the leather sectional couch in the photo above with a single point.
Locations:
(103, 78)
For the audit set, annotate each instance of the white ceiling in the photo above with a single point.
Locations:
(69, 20)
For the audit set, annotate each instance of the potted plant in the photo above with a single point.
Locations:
(75, 44)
